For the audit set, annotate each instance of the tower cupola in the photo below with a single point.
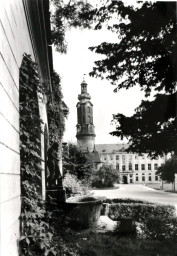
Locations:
(85, 128)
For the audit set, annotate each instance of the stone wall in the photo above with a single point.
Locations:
(16, 37)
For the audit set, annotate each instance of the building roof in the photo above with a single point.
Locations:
(94, 157)
(111, 148)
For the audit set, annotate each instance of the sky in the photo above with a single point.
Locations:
(78, 61)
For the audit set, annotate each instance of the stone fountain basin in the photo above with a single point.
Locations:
(84, 210)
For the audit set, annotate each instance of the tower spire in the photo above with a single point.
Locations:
(85, 127)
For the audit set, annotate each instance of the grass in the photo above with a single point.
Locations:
(166, 186)
(93, 244)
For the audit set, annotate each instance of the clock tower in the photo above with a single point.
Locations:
(85, 127)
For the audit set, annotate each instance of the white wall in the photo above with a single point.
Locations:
(14, 41)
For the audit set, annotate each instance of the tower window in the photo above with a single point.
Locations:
(88, 109)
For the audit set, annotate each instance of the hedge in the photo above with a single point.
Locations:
(140, 212)
(124, 200)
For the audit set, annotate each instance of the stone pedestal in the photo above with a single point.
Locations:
(56, 192)
(127, 225)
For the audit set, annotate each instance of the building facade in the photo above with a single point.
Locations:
(85, 127)
(132, 168)
(24, 28)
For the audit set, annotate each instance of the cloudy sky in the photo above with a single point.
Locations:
(79, 60)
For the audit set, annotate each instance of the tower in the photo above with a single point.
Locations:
(85, 128)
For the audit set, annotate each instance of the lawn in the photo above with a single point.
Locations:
(166, 186)
(89, 243)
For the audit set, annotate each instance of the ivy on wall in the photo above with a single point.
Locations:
(57, 110)
(36, 234)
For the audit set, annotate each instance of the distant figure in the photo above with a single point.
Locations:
(54, 177)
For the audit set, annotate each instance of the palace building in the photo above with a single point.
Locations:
(133, 168)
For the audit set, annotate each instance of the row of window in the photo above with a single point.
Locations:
(118, 157)
(137, 167)
(144, 178)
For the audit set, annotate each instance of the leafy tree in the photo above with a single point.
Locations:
(73, 14)
(106, 176)
(145, 55)
(76, 162)
(167, 171)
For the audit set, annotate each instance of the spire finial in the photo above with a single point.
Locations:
(84, 77)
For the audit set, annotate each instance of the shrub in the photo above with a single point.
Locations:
(160, 228)
(106, 176)
(140, 212)
(74, 186)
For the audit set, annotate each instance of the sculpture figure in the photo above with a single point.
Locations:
(54, 177)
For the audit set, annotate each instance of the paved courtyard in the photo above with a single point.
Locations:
(137, 192)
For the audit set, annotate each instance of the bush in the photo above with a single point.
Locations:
(160, 228)
(105, 177)
(74, 186)
(140, 212)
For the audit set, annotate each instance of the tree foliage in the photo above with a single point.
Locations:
(145, 55)
(73, 14)
(152, 128)
(76, 162)
(167, 171)
(106, 176)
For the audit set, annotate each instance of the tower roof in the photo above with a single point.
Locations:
(84, 94)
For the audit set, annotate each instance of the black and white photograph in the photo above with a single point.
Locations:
(88, 128)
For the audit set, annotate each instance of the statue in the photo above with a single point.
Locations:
(54, 177)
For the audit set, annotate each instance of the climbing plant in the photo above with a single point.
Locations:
(57, 110)
(36, 234)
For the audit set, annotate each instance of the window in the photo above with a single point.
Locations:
(130, 167)
(150, 179)
(156, 178)
(155, 166)
(143, 177)
(88, 109)
(149, 167)
(117, 157)
(117, 167)
(137, 177)
(136, 167)
(143, 167)
(123, 167)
